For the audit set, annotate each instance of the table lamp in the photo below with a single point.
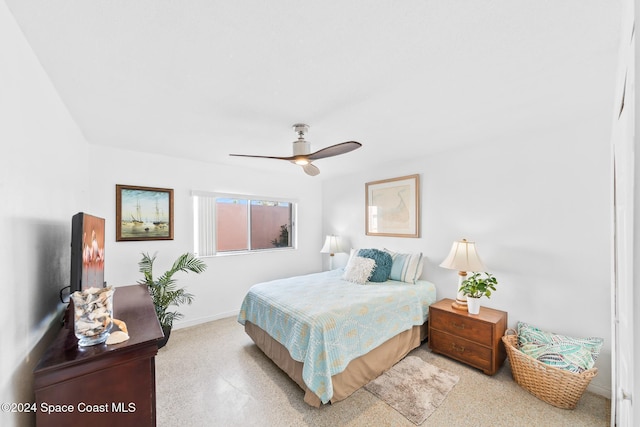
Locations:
(462, 257)
(331, 247)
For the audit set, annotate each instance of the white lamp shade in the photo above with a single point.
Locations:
(331, 245)
(463, 257)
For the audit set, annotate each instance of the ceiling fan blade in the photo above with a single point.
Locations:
(310, 169)
(335, 150)
(291, 158)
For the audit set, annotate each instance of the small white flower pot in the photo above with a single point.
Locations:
(473, 305)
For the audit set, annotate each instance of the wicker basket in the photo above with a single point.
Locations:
(558, 387)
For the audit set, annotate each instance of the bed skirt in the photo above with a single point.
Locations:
(358, 372)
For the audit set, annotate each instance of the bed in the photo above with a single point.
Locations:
(332, 336)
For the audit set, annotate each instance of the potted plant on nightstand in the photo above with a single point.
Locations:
(475, 287)
(164, 291)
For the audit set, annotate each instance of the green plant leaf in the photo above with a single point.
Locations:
(164, 291)
(477, 286)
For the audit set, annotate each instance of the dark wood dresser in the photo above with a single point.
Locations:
(474, 339)
(102, 385)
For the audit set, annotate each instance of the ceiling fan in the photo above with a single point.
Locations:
(302, 151)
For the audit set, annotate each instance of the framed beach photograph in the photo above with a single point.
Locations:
(143, 213)
(392, 207)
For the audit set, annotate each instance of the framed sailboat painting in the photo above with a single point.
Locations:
(143, 213)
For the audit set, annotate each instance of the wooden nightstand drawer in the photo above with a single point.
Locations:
(463, 350)
(469, 338)
(464, 327)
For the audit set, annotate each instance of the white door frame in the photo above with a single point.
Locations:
(624, 197)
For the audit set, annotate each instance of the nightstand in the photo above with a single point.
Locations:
(474, 339)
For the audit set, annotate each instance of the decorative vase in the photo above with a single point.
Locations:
(93, 311)
(473, 305)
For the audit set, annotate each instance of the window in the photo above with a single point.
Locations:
(233, 223)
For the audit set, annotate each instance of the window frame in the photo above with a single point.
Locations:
(210, 247)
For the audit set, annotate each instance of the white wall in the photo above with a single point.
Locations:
(48, 172)
(538, 211)
(636, 254)
(537, 207)
(219, 290)
(43, 182)
(636, 221)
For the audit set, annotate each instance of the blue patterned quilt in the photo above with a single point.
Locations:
(326, 322)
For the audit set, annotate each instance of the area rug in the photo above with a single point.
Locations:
(413, 387)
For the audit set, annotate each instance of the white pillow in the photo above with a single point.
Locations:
(352, 254)
(359, 270)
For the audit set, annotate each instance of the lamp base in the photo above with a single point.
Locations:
(459, 305)
(461, 300)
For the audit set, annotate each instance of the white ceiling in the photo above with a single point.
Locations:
(201, 78)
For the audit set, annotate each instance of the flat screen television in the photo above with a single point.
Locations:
(87, 252)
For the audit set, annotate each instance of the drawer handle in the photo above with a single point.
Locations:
(458, 325)
(459, 349)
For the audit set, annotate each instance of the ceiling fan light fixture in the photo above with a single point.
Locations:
(302, 155)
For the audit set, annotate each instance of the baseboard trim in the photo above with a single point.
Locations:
(200, 320)
(599, 390)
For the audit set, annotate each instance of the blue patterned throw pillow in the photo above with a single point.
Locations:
(383, 264)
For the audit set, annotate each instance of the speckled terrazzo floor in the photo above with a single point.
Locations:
(213, 375)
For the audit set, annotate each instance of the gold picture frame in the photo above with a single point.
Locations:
(143, 213)
(392, 207)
